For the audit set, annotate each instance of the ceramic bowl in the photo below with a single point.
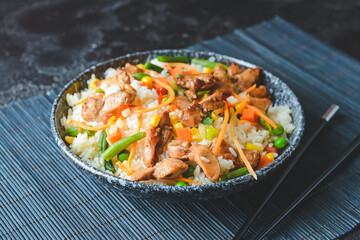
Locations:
(281, 93)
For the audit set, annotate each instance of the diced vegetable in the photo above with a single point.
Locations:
(74, 131)
(139, 76)
(184, 134)
(178, 126)
(141, 66)
(260, 114)
(183, 59)
(155, 121)
(214, 116)
(93, 85)
(69, 139)
(264, 161)
(196, 135)
(270, 149)
(211, 133)
(250, 146)
(279, 130)
(153, 67)
(202, 130)
(109, 166)
(249, 114)
(270, 156)
(147, 80)
(234, 174)
(189, 172)
(206, 63)
(207, 70)
(117, 147)
(164, 99)
(173, 119)
(178, 75)
(207, 120)
(124, 155)
(280, 143)
(181, 184)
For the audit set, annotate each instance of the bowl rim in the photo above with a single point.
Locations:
(158, 189)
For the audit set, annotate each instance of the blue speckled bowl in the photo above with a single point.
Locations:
(282, 95)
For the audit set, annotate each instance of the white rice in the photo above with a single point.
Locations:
(86, 147)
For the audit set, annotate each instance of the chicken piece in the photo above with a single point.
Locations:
(214, 101)
(179, 149)
(261, 103)
(252, 157)
(234, 70)
(132, 69)
(247, 78)
(260, 92)
(181, 102)
(169, 166)
(143, 174)
(197, 82)
(95, 109)
(220, 73)
(121, 79)
(192, 115)
(191, 94)
(156, 139)
(203, 156)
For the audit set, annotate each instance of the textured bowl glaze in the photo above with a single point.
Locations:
(282, 95)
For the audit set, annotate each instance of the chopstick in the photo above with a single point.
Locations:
(355, 143)
(324, 119)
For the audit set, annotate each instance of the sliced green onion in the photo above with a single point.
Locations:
(124, 155)
(183, 59)
(206, 63)
(139, 76)
(120, 145)
(74, 131)
(153, 67)
(234, 174)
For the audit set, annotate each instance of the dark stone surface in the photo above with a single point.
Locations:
(46, 43)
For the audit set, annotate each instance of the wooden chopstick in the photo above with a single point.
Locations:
(325, 118)
(355, 143)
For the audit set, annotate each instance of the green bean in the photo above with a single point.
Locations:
(109, 166)
(183, 59)
(189, 172)
(139, 76)
(102, 144)
(234, 174)
(265, 124)
(206, 63)
(74, 131)
(124, 155)
(153, 67)
(120, 145)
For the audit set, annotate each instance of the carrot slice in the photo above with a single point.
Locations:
(223, 130)
(184, 134)
(238, 147)
(249, 115)
(184, 65)
(84, 126)
(124, 168)
(182, 179)
(170, 99)
(249, 89)
(264, 161)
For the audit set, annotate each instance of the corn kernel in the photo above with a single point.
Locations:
(148, 81)
(214, 116)
(92, 85)
(173, 119)
(112, 119)
(207, 70)
(69, 139)
(155, 121)
(250, 146)
(270, 156)
(196, 135)
(232, 111)
(141, 66)
(237, 105)
(178, 126)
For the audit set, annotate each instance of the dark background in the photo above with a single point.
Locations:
(46, 43)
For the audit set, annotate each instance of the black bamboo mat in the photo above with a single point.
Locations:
(44, 196)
